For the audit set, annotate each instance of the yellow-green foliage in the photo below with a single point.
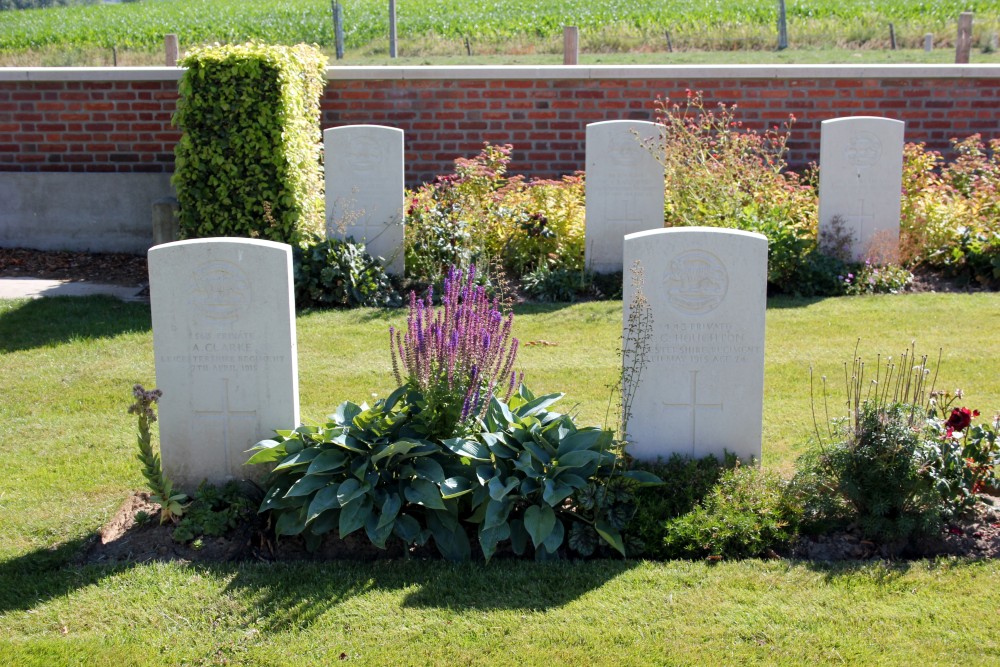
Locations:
(720, 174)
(248, 163)
(950, 215)
(480, 215)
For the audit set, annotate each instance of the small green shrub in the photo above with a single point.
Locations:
(481, 216)
(720, 174)
(747, 514)
(873, 470)
(331, 272)
(251, 140)
(557, 285)
(950, 217)
(686, 483)
(899, 463)
(870, 278)
(215, 511)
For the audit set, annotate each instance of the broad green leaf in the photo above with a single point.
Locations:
(500, 413)
(453, 487)
(578, 458)
(390, 508)
(497, 444)
(449, 536)
(345, 413)
(268, 451)
(325, 499)
(610, 535)
(643, 478)
(539, 520)
(406, 528)
(535, 406)
(584, 439)
(328, 459)
(397, 448)
(299, 458)
(429, 469)
(527, 465)
(325, 522)
(359, 466)
(351, 443)
(555, 538)
(538, 452)
(354, 516)
(350, 490)
(422, 492)
(308, 484)
(485, 473)
(290, 523)
(468, 448)
(378, 532)
(497, 512)
(394, 397)
(518, 537)
(498, 489)
(555, 492)
(490, 537)
(569, 479)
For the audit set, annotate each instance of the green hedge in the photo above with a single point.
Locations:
(248, 162)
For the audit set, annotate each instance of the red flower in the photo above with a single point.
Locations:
(960, 419)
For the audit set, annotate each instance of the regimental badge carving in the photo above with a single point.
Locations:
(623, 149)
(365, 154)
(863, 150)
(696, 282)
(220, 291)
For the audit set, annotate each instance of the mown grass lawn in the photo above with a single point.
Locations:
(67, 455)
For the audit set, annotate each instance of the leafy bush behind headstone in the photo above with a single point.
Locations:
(248, 162)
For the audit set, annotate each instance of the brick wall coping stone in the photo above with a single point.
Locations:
(523, 72)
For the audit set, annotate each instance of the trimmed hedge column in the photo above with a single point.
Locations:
(248, 162)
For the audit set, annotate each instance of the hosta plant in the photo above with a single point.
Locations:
(529, 477)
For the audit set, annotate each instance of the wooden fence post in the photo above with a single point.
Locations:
(571, 45)
(963, 43)
(172, 48)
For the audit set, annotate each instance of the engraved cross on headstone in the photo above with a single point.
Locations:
(238, 427)
(859, 222)
(692, 406)
(621, 211)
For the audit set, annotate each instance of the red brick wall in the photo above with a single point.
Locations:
(84, 123)
(87, 126)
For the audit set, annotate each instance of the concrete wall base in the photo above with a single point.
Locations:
(88, 212)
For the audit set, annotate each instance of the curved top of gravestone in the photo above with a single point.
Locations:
(870, 119)
(364, 128)
(729, 233)
(220, 241)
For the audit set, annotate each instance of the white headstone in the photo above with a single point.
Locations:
(624, 187)
(226, 360)
(702, 392)
(364, 189)
(860, 183)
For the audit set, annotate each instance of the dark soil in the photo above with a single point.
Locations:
(111, 269)
(124, 540)
(124, 269)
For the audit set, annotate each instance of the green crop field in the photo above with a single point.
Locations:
(498, 26)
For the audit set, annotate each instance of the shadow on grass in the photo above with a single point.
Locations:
(55, 320)
(41, 575)
(879, 572)
(783, 301)
(284, 595)
(296, 594)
